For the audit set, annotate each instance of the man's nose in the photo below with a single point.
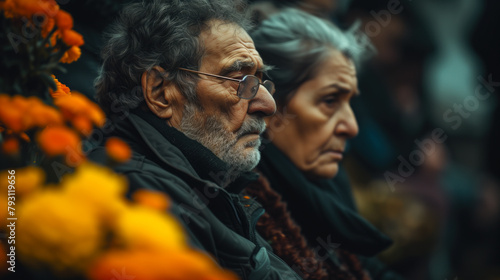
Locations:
(263, 102)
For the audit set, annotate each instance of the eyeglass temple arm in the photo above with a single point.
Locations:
(208, 74)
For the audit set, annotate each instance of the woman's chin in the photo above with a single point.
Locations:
(326, 171)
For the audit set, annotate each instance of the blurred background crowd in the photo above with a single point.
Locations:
(424, 166)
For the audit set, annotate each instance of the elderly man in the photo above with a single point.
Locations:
(181, 81)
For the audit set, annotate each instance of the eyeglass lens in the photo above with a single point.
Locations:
(249, 86)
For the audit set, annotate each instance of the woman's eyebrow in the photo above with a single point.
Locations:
(342, 89)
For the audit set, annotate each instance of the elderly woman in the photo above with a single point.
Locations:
(311, 221)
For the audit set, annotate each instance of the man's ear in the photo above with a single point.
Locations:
(159, 94)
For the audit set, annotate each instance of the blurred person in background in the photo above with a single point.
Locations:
(441, 213)
(311, 221)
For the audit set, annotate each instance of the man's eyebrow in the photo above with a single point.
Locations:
(266, 68)
(238, 65)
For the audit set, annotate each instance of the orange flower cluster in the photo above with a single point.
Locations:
(73, 54)
(151, 199)
(28, 8)
(146, 265)
(19, 114)
(61, 90)
(118, 150)
(54, 17)
(10, 146)
(60, 140)
(81, 112)
(64, 23)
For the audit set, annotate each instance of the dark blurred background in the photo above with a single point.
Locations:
(424, 168)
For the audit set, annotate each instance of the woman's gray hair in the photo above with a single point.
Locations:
(157, 32)
(296, 43)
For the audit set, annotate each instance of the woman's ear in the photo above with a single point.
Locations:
(160, 95)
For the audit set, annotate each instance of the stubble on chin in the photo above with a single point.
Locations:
(211, 133)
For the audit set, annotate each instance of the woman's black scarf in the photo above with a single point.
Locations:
(324, 209)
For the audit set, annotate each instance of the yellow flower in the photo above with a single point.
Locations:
(57, 231)
(100, 187)
(26, 180)
(152, 265)
(118, 150)
(71, 55)
(144, 228)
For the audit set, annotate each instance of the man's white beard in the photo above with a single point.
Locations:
(210, 132)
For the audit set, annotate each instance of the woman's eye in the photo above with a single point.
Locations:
(331, 99)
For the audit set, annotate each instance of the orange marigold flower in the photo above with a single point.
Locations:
(62, 89)
(152, 199)
(146, 265)
(71, 55)
(80, 111)
(61, 140)
(64, 21)
(11, 117)
(28, 8)
(53, 38)
(118, 150)
(72, 38)
(82, 124)
(47, 26)
(19, 114)
(10, 146)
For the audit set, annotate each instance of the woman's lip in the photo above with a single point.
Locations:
(337, 154)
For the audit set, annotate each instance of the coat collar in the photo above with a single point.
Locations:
(167, 142)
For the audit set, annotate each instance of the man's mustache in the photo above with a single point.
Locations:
(252, 125)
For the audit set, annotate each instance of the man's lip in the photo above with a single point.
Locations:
(251, 133)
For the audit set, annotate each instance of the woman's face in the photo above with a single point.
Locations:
(316, 123)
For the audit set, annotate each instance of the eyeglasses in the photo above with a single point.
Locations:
(247, 87)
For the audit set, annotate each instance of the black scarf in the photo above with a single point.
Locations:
(323, 209)
(206, 164)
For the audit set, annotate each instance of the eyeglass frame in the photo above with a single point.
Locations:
(235, 80)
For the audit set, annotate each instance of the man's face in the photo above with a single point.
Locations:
(229, 126)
